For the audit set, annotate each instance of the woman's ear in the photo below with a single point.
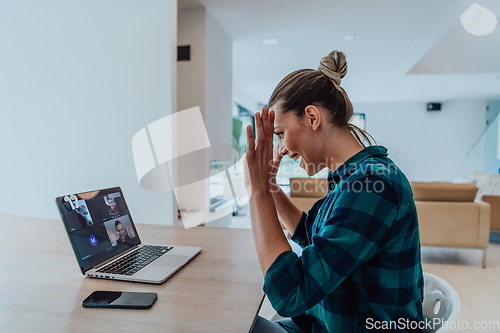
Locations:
(313, 116)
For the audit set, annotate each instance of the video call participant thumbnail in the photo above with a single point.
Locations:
(122, 235)
(113, 210)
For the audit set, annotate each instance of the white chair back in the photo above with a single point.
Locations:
(441, 303)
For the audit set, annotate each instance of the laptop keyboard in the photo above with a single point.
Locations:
(134, 261)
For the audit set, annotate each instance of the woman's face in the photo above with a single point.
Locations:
(120, 231)
(301, 142)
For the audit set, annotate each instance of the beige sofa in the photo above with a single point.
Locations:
(489, 191)
(449, 216)
(304, 192)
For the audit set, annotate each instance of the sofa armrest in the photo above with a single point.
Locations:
(484, 223)
(494, 201)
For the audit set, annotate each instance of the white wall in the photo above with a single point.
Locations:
(77, 80)
(428, 146)
(191, 93)
(219, 86)
(191, 74)
(204, 81)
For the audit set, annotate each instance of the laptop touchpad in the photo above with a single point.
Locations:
(173, 260)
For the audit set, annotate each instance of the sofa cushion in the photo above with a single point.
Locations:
(308, 187)
(442, 191)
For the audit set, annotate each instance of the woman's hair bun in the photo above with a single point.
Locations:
(334, 65)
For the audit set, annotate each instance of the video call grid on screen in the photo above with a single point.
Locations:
(100, 226)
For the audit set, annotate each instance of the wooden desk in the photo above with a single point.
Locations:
(41, 287)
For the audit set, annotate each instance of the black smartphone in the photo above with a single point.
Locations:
(120, 300)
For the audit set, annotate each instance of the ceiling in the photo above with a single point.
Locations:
(405, 50)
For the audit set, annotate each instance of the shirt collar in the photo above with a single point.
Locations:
(345, 169)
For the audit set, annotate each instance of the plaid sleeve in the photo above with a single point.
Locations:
(352, 232)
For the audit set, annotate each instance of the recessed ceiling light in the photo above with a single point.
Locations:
(270, 41)
(352, 38)
(478, 20)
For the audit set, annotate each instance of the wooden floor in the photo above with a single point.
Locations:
(478, 288)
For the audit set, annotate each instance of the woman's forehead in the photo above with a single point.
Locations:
(281, 117)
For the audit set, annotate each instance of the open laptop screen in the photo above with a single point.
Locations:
(99, 225)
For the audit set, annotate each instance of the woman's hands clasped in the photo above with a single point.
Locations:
(270, 241)
(260, 152)
(262, 160)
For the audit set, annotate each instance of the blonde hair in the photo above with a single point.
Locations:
(320, 87)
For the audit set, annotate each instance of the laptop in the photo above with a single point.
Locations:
(106, 242)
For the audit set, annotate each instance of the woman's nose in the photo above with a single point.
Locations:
(283, 151)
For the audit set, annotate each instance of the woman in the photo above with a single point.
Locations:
(360, 268)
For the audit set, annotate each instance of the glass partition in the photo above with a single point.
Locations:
(485, 154)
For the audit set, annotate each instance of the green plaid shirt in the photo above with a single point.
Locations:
(360, 265)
